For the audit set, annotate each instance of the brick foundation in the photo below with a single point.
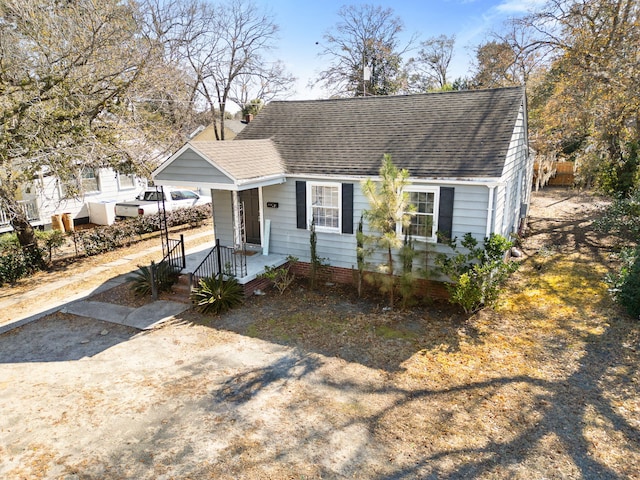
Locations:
(256, 284)
(426, 288)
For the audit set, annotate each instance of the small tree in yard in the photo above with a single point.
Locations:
(389, 207)
(317, 263)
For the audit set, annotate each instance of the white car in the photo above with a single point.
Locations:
(150, 202)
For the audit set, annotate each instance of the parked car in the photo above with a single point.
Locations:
(150, 202)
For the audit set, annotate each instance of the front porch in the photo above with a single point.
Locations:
(254, 262)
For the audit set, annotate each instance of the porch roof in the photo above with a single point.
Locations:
(232, 165)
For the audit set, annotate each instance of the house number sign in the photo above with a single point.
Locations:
(272, 204)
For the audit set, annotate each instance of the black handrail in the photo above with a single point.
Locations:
(220, 260)
(175, 257)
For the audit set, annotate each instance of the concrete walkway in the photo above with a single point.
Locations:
(77, 303)
(142, 318)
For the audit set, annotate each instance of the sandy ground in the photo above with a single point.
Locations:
(83, 399)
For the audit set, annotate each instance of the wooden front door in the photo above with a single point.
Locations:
(251, 201)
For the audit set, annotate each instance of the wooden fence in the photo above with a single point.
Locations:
(558, 174)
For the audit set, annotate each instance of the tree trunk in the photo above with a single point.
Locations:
(26, 235)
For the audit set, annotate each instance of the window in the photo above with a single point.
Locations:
(324, 205)
(126, 182)
(423, 221)
(189, 195)
(89, 180)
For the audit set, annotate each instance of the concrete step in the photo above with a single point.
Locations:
(181, 290)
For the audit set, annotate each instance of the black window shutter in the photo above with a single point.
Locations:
(445, 213)
(301, 204)
(347, 208)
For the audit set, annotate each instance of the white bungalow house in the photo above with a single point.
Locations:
(467, 154)
(99, 189)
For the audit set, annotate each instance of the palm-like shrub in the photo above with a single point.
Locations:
(142, 279)
(215, 295)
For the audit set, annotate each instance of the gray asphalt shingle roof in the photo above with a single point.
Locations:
(449, 134)
(260, 158)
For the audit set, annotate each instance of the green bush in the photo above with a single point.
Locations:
(625, 285)
(8, 241)
(622, 218)
(16, 263)
(477, 273)
(215, 295)
(106, 238)
(141, 280)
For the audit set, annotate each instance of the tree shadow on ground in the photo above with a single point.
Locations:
(61, 337)
(336, 323)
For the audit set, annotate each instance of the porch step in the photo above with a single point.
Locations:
(181, 290)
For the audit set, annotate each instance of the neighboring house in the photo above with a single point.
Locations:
(467, 154)
(232, 128)
(89, 198)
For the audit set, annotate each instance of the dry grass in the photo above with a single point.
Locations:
(543, 386)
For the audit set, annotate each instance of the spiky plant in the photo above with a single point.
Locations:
(141, 280)
(215, 295)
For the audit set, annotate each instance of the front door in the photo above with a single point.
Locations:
(251, 201)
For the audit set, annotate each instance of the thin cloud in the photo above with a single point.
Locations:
(519, 6)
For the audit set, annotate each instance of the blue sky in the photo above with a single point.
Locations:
(302, 24)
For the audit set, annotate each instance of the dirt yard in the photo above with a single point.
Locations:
(324, 385)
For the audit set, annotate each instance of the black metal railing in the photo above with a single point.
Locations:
(220, 260)
(175, 258)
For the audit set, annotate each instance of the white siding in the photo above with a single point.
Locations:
(516, 181)
(48, 195)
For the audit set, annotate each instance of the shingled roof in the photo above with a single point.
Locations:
(438, 135)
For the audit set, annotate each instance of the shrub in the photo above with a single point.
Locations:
(51, 239)
(622, 218)
(478, 273)
(192, 215)
(142, 279)
(317, 264)
(16, 263)
(625, 285)
(8, 241)
(215, 295)
(106, 238)
(281, 276)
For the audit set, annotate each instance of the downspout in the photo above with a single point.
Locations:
(492, 194)
(261, 217)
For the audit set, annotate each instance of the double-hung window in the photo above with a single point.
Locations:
(324, 205)
(423, 224)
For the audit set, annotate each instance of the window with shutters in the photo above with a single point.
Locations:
(424, 220)
(324, 205)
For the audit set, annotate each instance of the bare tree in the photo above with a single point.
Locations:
(366, 40)
(222, 49)
(431, 66)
